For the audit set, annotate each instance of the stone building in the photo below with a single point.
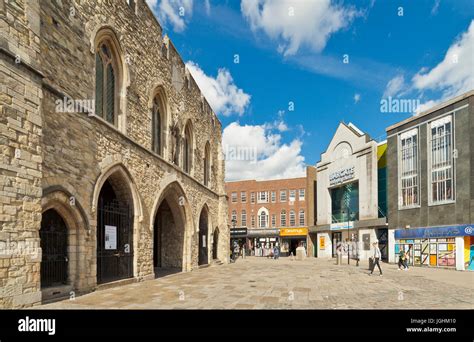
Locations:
(110, 163)
(430, 185)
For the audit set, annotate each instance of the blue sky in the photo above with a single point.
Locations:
(331, 61)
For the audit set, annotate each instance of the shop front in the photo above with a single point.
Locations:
(239, 235)
(448, 246)
(292, 238)
(261, 242)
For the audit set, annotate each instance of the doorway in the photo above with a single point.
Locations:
(203, 235)
(215, 244)
(336, 240)
(53, 242)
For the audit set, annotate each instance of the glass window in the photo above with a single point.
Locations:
(263, 220)
(244, 218)
(292, 218)
(273, 196)
(243, 197)
(105, 84)
(252, 197)
(302, 194)
(292, 195)
(253, 221)
(345, 203)
(273, 220)
(282, 195)
(408, 159)
(301, 217)
(234, 197)
(283, 218)
(441, 161)
(263, 197)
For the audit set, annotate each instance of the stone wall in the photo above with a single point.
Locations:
(79, 151)
(21, 153)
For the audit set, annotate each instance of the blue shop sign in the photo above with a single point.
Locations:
(435, 232)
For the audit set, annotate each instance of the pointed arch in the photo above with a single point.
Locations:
(159, 108)
(188, 147)
(207, 164)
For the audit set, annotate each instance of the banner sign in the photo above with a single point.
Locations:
(435, 232)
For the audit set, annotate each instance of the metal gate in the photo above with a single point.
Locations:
(53, 241)
(114, 242)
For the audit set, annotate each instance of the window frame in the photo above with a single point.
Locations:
(429, 151)
(285, 197)
(401, 206)
(243, 196)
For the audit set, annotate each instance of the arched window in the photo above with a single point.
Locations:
(207, 164)
(106, 82)
(188, 148)
(158, 123)
(263, 218)
(292, 218)
(301, 217)
(283, 218)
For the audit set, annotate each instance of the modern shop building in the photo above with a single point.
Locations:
(431, 183)
(273, 212)
(350, 202)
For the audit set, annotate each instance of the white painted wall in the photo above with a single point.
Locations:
(392, 258)
(327, 251)
(460, 253)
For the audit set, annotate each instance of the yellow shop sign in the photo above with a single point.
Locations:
(293, 231)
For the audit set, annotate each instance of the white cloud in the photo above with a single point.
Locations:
(207, 6)
(434, 9)
(255, 152)
(296, 23)
(454, 75)
(221, 92)
(174, 12)
(394, 86)
(356, 98)
(152, 3)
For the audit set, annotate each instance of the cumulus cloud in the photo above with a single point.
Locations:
(256, 152)
(356, 98)
(221, 92)
(455, 73)
(173, 12)
(394, 86)
(297, 23)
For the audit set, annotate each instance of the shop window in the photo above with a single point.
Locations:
(408, 161)
(441, 161)
(429, 252)
(345, 203)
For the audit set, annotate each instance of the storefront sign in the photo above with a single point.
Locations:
(435, 232)
(341, 176)
(262, 232)
(238, 232)
(110, 237)
(294, 232)
(342, 225)
(322, 243)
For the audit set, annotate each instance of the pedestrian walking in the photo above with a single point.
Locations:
(401, 260)
(276, 252)
(407, 258)
(376, 257)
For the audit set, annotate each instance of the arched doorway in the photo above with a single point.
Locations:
(215, 244)
(203, 258)
(54, 242)
(169, 232)
(114, 232)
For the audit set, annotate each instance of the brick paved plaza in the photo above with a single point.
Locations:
(257, 283)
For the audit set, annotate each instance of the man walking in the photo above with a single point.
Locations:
(377, 256)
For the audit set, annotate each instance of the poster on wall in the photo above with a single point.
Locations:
(322, 243)
(110, 237)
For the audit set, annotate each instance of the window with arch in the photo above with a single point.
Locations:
(188, 148)
(107, 78)
(292, 218)
(263, 217)
(301, 217)
(158, 124)
(283, 218)
(207, 164)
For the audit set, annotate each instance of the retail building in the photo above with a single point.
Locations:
(431, 183)
(351, 195)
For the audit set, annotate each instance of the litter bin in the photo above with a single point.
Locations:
(371, 264)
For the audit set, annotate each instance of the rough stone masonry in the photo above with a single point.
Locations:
(59, 160)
